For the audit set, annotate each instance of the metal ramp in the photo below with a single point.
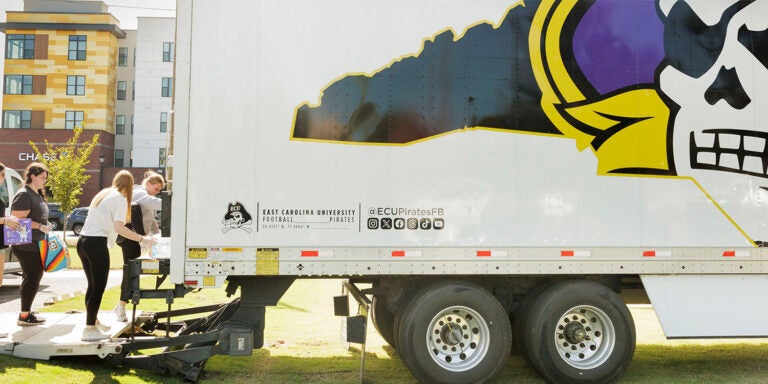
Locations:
(59, 336)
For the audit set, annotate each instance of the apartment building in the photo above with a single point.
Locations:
(155, 53)
(60, 72)
(68, 64)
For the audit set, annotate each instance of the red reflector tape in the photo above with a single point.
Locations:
(398, 253)
(566, 253)
(190, 282)
(309, 253)
(649, 253)
(729, 253)
(483, 253)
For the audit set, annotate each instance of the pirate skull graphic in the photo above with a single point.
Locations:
(237, 217)
(715, 76)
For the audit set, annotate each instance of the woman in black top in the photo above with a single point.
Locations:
(30, 202)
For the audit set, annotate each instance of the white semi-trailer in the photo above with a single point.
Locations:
(497, 170)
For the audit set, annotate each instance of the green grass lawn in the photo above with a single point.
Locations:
(302, 345)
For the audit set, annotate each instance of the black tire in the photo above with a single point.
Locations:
(454, 332)
(519, 324)
(383, 320)
(55, 225)
(579, 331)
(77, 228)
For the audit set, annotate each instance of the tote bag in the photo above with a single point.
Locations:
(54, 254)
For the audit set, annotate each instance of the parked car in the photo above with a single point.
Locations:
(76, 219)
(55, 216)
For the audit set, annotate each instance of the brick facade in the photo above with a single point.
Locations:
(17, 153)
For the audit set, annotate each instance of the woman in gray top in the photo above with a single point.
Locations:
(145, 198)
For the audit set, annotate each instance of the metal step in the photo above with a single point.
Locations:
(58, 336)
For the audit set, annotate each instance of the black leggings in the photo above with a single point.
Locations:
(131, 250)
(32, 273)
(94, 254)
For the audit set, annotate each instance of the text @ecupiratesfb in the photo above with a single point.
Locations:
(386, 218)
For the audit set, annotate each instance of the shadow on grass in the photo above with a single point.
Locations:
(281, 305)
(716, 363)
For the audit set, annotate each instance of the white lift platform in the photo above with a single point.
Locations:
(58, 336)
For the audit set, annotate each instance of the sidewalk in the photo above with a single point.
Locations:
(54, 287)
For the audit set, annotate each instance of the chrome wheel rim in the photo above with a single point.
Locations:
(458, 338)
(585, 337)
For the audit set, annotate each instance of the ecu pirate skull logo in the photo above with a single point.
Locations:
(237, 218)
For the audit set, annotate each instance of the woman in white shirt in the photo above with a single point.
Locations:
(107, 215)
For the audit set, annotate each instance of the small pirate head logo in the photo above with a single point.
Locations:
(237, 218)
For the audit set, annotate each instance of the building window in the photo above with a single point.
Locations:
(76, 85)
(167, 90)
(131, 124)
(74, 120)
(17, 119)
(18, 85)
(167, 52)
(121, 85)
(120, 125)
(119, 157)
(163, 121)
(161, 159)
(133, 90)
(77, 44)
(122, 56)
(134, 57)
(20, 47)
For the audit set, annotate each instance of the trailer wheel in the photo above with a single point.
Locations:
(454, 332)
(521, 316)
(579, 332)
(383, 321)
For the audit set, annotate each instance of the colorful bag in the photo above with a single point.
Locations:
(54, 254)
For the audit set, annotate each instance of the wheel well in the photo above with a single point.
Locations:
(394, 291)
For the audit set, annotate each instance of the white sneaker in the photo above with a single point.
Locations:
(120, 313)
(92, 333)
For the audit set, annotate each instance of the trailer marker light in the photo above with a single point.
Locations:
(402, 253)
(489, 253)
(190, 282)
(657, 253)
(571, 253)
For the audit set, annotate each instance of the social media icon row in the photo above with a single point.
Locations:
(387, 223)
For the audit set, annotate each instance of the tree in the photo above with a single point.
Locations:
(66, 165)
